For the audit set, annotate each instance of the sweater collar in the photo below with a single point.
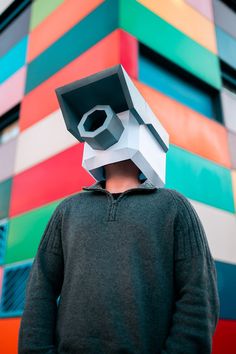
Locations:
(146, 185)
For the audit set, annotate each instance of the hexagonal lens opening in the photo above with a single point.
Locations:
(95, 120)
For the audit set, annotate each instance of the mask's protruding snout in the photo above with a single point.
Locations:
(100, 127)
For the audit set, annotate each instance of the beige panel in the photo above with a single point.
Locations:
(41, 141)
(220, 227)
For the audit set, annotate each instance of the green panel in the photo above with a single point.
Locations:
(199, 179)
(41, 9)
(159, 35)
(25, 232)
(93, 28)
(5, 193)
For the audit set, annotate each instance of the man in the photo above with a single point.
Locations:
(122, 267)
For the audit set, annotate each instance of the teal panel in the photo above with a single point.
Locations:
(199, 179)
(80, 38)
(13, 60)
(226, 47)
(5, 194)
(179, 88)
(165, 39)
(41, 9)
(25, 232)
(226, 276)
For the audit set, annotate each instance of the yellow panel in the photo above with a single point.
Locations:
(186, 19)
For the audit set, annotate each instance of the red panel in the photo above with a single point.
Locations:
(50, 180)
(42, 100)
(187, 128)
(118, 47)
(224, 341)
(9, 329)
(129, 53)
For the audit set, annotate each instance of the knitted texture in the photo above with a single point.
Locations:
(134, 276)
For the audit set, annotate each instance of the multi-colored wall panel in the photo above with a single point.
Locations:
(5, 4)
(176, 59)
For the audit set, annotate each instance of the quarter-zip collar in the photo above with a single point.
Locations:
(98, 186)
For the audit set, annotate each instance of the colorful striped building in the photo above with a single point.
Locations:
(182, 57)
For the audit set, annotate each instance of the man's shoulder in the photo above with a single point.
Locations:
(72, 200)
(172, 194)
(181, 202)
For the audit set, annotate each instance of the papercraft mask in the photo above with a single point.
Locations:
(107, 112)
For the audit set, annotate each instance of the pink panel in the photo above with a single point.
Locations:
(203, 6)
(12, 90)
(129, 53)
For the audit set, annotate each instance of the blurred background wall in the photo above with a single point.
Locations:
(182, 57)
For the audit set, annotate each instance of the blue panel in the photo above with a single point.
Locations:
(3, 240)
(226, 274)
(226, 47)
(13, 290)
(178, 88)
(13, 60)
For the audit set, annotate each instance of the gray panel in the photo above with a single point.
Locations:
(226, 47)
(228, 100)
(15, 31)
(232, 147)
(7, 158)
(225, 17)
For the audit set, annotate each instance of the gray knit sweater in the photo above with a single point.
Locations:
(134, 275)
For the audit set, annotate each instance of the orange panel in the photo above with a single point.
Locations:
(187, 128)
(110, 51)
(186, 19)
(9, 328)
(57, 23)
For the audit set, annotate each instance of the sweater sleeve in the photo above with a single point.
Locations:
(196, 307)
(38, 322)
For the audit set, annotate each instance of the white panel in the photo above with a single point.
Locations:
(229, 108)
(4, 5)
(220, 227)
(41, 141)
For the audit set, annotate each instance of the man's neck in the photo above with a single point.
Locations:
(118, 185)
(121, 176)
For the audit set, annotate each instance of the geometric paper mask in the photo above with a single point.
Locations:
(108, 113)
